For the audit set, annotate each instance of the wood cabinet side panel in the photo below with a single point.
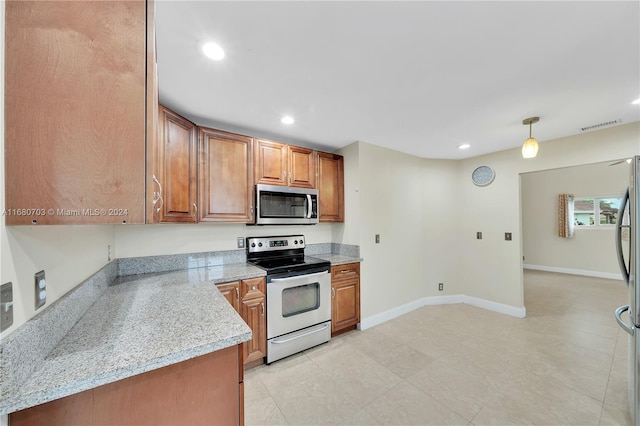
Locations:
(202, 390)
(152, 123)
(75, 80)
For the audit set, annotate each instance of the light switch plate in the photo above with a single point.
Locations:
(6, 306)
(240, 241)
(40, 289)
(507, 236)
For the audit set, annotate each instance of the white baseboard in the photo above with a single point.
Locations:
(501, 308)
(385, 316)
(597, 274)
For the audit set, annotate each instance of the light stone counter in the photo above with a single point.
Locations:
(139, 323)
(338, 259)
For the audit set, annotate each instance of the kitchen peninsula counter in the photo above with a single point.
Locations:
(138, 323)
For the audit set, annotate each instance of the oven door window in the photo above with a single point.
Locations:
(283, 205)
(304, 298)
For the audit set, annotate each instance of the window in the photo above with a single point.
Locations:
(595, 211)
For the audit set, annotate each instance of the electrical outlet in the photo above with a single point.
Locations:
(377, 238)
(240, 241)
(479, 235)
(6, 306)
(440, 286)
(507, 236)
(41, 289)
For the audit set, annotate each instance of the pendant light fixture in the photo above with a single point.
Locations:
(530, 146)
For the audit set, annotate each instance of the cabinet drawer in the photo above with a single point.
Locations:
(252, 287)
(343, 272)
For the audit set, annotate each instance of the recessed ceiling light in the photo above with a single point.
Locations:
(287, 120)
(636, 102)
(213, 51)
(464, 146)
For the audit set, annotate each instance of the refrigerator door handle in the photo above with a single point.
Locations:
(619, 226)
(629, 329)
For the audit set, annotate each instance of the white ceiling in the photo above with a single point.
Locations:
(418, 77)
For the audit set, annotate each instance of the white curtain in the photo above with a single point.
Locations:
(565, 216)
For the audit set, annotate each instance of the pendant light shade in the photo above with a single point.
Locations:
(530, 146)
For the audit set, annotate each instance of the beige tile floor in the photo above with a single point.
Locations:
(566, 363)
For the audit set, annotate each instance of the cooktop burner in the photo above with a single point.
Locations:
(281, 254)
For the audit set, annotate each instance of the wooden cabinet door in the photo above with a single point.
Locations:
(270, 162)
(254, 314)
(302, 167)
(75, 79)
(231, 292)
(252, 287)
(226, 178)
(330, 187)
(177, 167)
(345, 304)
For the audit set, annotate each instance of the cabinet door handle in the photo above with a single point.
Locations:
(262, 304)
(333, 293)
(159, 199)
(344, 271)
(237, 294)
(195, 210)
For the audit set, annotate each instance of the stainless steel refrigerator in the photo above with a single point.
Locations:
(628, 232)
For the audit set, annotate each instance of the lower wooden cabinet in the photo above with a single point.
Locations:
(345, 297)
(248, 298)
(204, 390)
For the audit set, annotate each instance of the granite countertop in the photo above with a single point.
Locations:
(338, 259)
(140, 323)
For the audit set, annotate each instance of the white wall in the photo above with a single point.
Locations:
(493, 267)
(151, 240)
(407, 201)
(591, 251)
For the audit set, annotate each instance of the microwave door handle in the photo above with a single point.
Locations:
(310, 206)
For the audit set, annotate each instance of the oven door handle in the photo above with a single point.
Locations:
(300, 335)
(297, 277)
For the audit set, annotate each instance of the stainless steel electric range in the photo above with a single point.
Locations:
(298, 294)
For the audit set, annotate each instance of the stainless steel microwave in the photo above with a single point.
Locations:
(284, 205)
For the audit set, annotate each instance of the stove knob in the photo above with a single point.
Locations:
(253, 244)
(295, 241)
(259, 244)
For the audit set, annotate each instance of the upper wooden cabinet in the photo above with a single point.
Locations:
(302, 167)
(176, 170)
(285, 165)
(225, 174)
(75, 114)
(331, 187)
